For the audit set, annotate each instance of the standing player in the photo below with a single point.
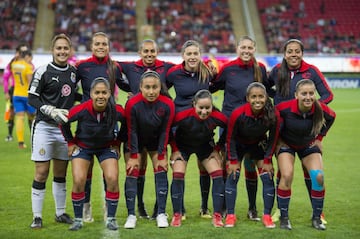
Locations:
(304, 123)
(8, 84)
(148, 52)
(52, 93)
(194, 133)
(187, 78)
(22, 70)
(234, 78)
(149, 115)
(99, 64)
(95, 136)
(285, 76)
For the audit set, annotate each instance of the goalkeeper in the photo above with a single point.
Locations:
(52, 92)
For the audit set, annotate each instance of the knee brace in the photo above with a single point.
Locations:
(314, 173)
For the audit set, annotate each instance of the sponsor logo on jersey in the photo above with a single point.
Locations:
(66, 90)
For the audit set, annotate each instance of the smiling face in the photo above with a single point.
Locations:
(306, 95)
(148, 53)
(293, 55)
(100, 46)
(257, 99)
(203, 107)
(100, 95)
(61, 51)
(192, 58)
(246, 50)
(150, 88)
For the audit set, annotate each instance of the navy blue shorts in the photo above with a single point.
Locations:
(253, 151)
(101, 154)
(202, 152)
(302, 153)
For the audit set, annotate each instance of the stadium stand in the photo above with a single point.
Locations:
(205, 21)
(329, 26)
(18, 20)
(80, 19)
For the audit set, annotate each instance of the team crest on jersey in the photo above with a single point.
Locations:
(160, 111)
(66, 90)
(73, 77)
(306, 75)
(42, 151)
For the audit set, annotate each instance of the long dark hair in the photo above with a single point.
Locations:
(269, 109)
(318, 118)
(283, 82)
(110, 110)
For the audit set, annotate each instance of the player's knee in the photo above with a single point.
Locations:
(317, 179)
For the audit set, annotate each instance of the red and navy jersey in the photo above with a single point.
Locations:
(149, 123)
(192, 131)
(52, 85)
(185, 84)
(91, 68)
(306, 71)
(295, 129)
(234, 78)
(93, 131)
(248, 129)
(133, 71)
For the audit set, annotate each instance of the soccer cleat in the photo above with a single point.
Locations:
(253, 215)
(8, 138)
(130, 222)
(176, 220)
(317, 224)
(322, 218)
(36, 223)
(111, 224)
(76, 225)
(276, 216)
(143, 213)
(183, 217)
(64, 218)
(22, 145)
(267, 221)
(205, 213)
(230, 220)
(217, 220)
(285, 223)
(162, 221)
(87, 213)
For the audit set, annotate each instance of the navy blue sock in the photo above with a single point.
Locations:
(88, 188)
(317, 201)
(112, 199)
(161, 183)
(231, 192)
(283, 197)
(204, 189)
(130, 192)
(78, 203)
(140, 191)
(177, 195)
(268, 192)
(218, 190)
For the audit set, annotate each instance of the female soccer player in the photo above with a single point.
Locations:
(149, 115)
(95, 136)
(247, 137)
(52, 92)
(194, 132)
(304, 123)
